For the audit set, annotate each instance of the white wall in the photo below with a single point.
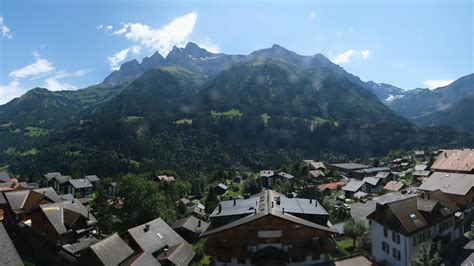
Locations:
(377, 251)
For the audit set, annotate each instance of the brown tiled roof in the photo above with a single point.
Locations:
(394, 185)
(333, 185)
(455, 160)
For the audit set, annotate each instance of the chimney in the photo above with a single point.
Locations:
(166, 250)
(445, 155)
(272, 204)
(220, 208)
(316, 203)
(235, 202)
(255, 211)
(199, 223)
(283, 210)
(147, 228)
(310, 201)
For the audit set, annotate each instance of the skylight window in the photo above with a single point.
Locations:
(159, 235)
(413, 216)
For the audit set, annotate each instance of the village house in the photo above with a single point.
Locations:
(328, 188)
(165, 178)
(315, 165)
(153, 243)
(220, 189)
(460, 187)
(58, 182)
(317, 176)
(269, 229)
(401, 226)
(61, 222)
(267, 178)
(372, 171)
(352, 187)
(372, 185)
(455, 161)
(81, 187)
(190, 228)
(348, 168)
(419, 155)
(394, 186)
(93, 179)
(18, 205)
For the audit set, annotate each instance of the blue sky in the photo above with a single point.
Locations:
(74, 44)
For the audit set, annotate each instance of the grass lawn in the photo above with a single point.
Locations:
(266, 118)
(184, 121)
(35, 132)
(31, 152)
(133, 119)
(237, 193)
(231, 113)
(345, 246)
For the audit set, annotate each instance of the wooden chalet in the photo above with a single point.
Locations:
(269, 229)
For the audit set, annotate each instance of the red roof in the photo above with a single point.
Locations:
(333, 185)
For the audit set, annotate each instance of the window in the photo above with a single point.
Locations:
(385, 247)
(396, 254)
(385, 232)
(396, 237)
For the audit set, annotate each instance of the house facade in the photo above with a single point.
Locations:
(402, 226)
(269, 229)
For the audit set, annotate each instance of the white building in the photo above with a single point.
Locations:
(400, 227)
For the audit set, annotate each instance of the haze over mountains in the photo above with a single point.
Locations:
(197, 109)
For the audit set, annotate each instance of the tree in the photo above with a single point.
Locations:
(252, 186)
(354, 228)
(428, 256)
(211, 200)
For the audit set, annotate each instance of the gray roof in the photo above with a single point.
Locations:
(8, 253)
(4, 177)
(452, 183)
(190, 223)
(63, 178)
(382, 174)
(373, 170)
(267, 173)
(420, 173)
(371, 180)
(285, 175)
(316, 173)
(142, 259)
(221, 185)
(80, 183)
(52, 175)
(350, 166)
(62, 215)
(80, 245)
(301, 206)
(66, 197)
(263, 204)
(112, 250)
(92, 178)
(353, 185)
(158, 236)
(421, 167)
(19, 200)
(180, 255)
(241, 206)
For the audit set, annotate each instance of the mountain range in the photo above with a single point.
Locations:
(196, 110)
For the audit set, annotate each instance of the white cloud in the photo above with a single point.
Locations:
(54, 84)
(107, 28)
(209, 46)
(436, 83)
(312, 15)
(100, 27)
(10, 91)
(345, 57)
(164, 38)
(119, 57)
(39, 67)
(6, 32)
